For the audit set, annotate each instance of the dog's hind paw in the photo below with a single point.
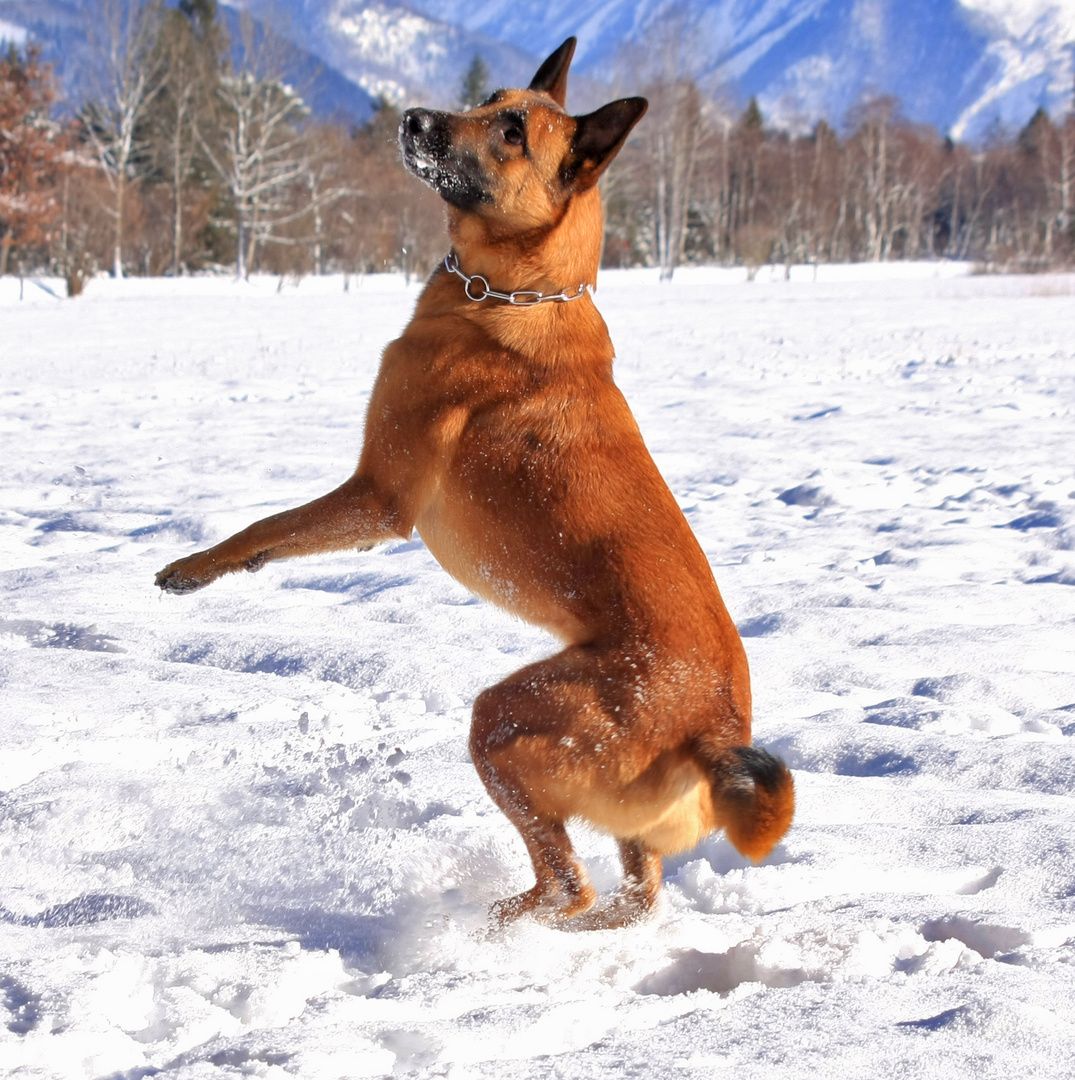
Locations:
(545, 905)
(625, 909)
(515, 907)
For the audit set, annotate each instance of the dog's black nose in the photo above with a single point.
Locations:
(417, 121)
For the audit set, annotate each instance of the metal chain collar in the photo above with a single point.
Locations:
(519, 298)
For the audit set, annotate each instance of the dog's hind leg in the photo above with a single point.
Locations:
(562, 889)
(637, 899)
(641, 878)
(523, 746)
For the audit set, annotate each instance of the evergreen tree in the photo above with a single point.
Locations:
(475, 83)
(752, 119)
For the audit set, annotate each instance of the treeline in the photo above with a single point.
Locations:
(698, 186)
(193, 153)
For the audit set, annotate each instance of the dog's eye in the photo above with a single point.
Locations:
(513, 136)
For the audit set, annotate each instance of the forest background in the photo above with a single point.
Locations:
(193, 153)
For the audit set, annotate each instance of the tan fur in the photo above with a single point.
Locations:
(498, 433)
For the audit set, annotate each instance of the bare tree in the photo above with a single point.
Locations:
(672, 131)
(191, 44)
(872, 121)
(1065, 180)
(257, 148)
(675, 135)
(1051, 148)
(130, 74)
(326, 179)
(400, 224)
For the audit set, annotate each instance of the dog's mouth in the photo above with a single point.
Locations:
(420, 162)
(426, 147)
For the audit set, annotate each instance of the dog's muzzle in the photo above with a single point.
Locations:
(425, 141)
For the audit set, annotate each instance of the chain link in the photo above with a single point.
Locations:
(477, 288)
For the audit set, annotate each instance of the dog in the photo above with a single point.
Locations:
(495, 430)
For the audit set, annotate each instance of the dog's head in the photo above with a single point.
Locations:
(517, 158)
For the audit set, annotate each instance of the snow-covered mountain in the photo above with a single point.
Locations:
(958, 64)
(1030, 57)
(62, 29)
(390, 49)
(961, 65)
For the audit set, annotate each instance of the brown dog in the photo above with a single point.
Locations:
(496, 431)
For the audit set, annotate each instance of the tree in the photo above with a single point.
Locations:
(29, 152)
(475, 83)
(256, 160)
(671, 133)
(130, 74)
(1049, 152)
(256, 149)
(191, 46)
(752, 237)
(674, 134)
(398, 223)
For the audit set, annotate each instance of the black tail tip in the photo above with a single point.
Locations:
(767, 772)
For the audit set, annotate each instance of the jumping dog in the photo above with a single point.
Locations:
(495, 429)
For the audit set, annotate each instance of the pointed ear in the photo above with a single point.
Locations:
(551, 77)
(598, 138)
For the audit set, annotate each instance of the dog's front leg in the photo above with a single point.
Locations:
(355, 515)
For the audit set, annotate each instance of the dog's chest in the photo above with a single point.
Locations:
(499, 565)
(496, 519)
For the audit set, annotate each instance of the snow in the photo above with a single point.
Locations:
(1020, 18)
(239, 833)
(1030, 58)
(11, 34)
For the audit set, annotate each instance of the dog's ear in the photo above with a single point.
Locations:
(598, 138)
(551, 77)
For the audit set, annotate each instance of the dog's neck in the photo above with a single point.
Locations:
(548, 261)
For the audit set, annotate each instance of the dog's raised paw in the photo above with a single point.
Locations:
(175, 578)
(174, 583)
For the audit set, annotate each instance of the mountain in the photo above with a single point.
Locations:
(63, 30)
(961, 65)
(390, 49)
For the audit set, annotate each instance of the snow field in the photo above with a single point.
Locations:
(239, 831)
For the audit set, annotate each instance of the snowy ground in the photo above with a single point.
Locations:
(239, 833)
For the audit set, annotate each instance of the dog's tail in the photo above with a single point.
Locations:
(753, 795)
